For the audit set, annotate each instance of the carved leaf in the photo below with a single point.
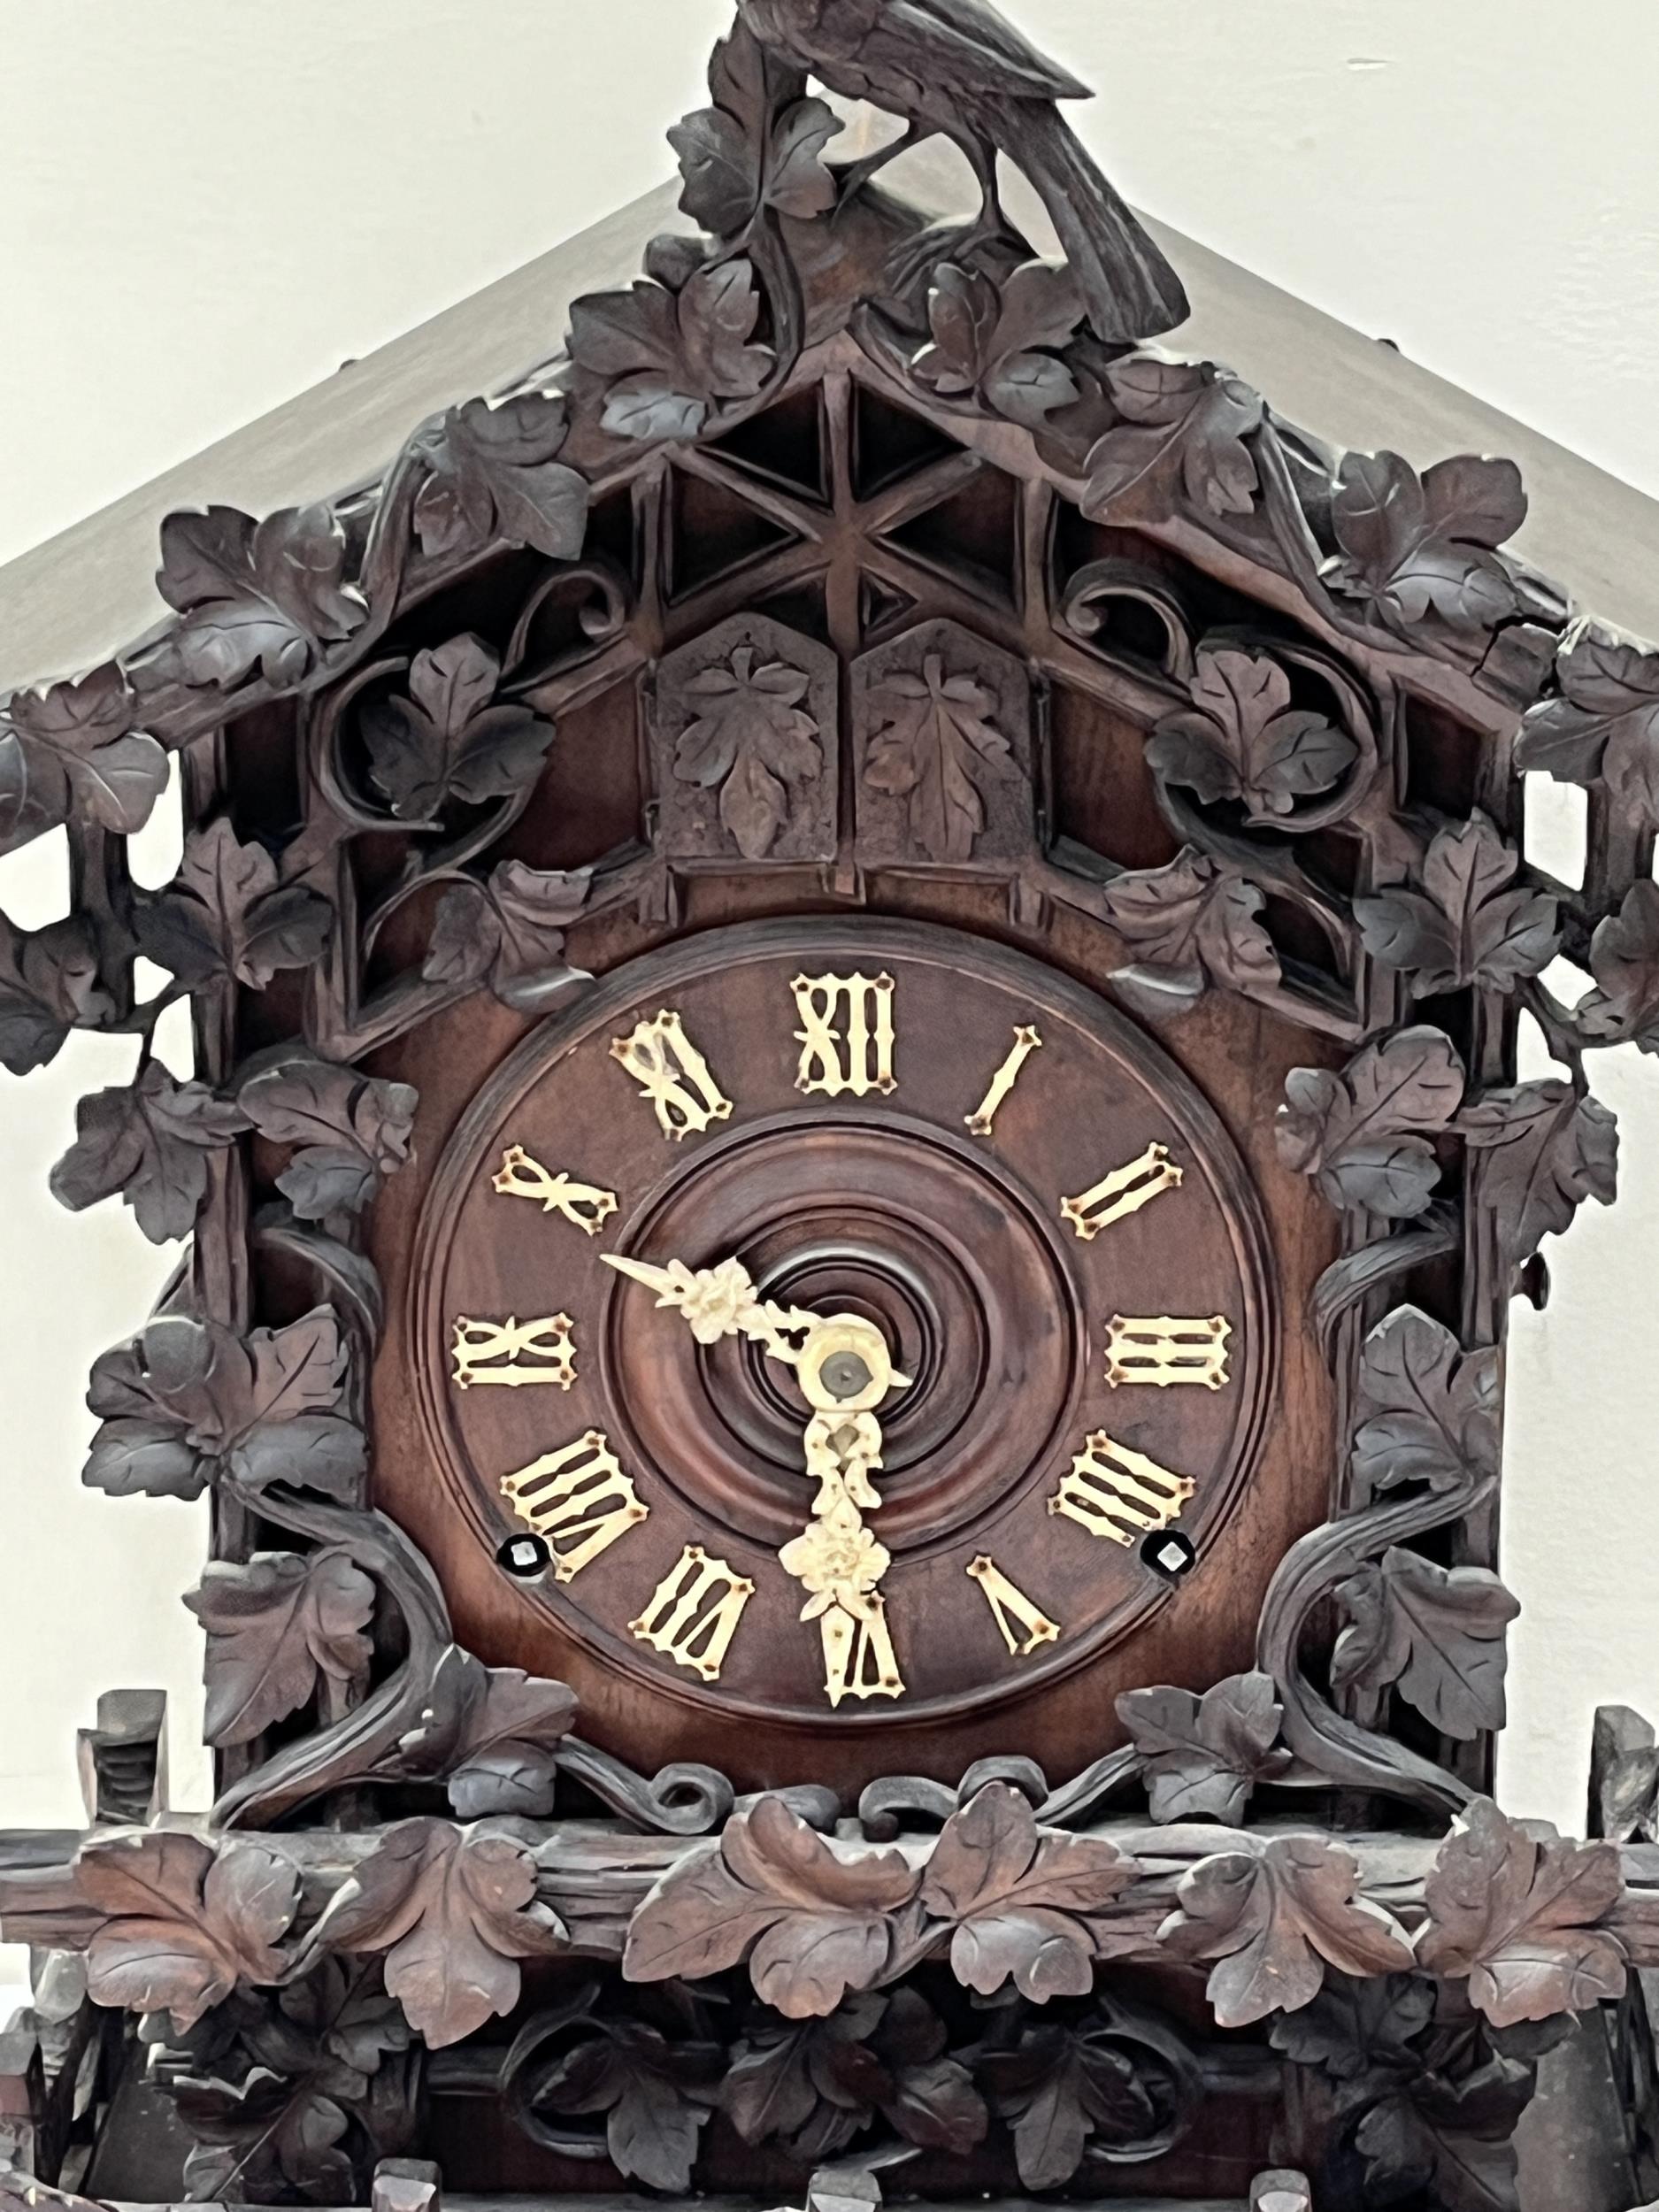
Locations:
(1181, 441)
(1271, 1919)
(453, 1909)
(1058, 2088)
(1357, 2027)
(262, 2139)
(812, 2085)
(1604, 726)
(510, 932)
(1191, 923)
(1468, 923)
(811, 1923)
(502, 1761)
(224, 914)
(1624, 961)
(49, 985)
(668, 358)
(754, 741)
(1412, 546)
(1546, 1150)
(1025, 1903)
(1003, 345)
(274, 1627)
(1435, 1632)
(445, 741)
(1516, 1912)
(755, 147)
(1245, 739)
(183, 1924)
(267, 596)
(937, 747)
(1364, 1135)
(1204, 1755)
(74, 748)
(1428, 1409)
(1455, 2138)
(349, 1130)
(492, 474)
(149, 1140)
(655, 2096)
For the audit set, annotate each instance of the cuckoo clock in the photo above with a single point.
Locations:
(853, 1171)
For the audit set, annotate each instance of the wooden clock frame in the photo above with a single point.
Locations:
(1270, 705)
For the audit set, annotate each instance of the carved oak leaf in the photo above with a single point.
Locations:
(1623, 1007)
(668, 358)
(50, 984)
(1543, 1151)
(454, 1911)
(274, 1628)
(263, 2140)
(752, 741)
(1604, 728)
(445, 741)
(1436, 1633)
(1364, 1135)
(1428, 1409)
(502, 1762)
(655, 2096)
(1411, 546)
(1001, 344)
(1271, 1918)
(1467, 922)
(150, 1140)
(267, 595)
(1181, 441)
(1516, 1912)
(74, 748)
(491, 473)
(1024, 1903)
(349, 1130)
(510, 932)
(1058, 2087)
(226, 914)
(1203, 1755)
(1244, 739)
(811, 1923)
(181, 1923)
(756, 147)
(1191, 924)
(936, 748)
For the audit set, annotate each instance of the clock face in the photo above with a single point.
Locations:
(1046, 1375)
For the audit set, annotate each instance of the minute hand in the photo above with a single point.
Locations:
(721, 1301)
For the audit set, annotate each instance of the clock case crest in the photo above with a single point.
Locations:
(838, 566)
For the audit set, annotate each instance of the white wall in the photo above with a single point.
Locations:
(205, 207)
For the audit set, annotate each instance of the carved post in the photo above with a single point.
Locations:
(1281, 2191)
(123, 1760)
(405, 2184)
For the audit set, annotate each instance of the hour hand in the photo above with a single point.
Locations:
(721, 1301)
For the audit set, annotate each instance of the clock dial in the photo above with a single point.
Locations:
(845, 1305)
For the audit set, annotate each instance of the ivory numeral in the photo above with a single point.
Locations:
(1158, 1349)
(1124, 1191)
(672, 1074)
(1115, 1493)
(529, 1351)
(846, 1037)
(858, 1656)
(1011, 1609)
(694, 1612)
(576, 1497)
(583, 1203)
(1026, 1042)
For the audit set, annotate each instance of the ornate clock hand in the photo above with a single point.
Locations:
(720, 1301)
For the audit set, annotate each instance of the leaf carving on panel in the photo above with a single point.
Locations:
(1191, 924)
(452, 1910)
(183, 1924)
(655, 2096)
(1243, 737)
(226, 914)
(150, 1140)
(1061, 2087)
(50, 984)
(758, 146)
(811, 1925)
(752, 740)
(1518, 1911)
(1544, 1150)
(1412, 546)
(509, 931)
(491, 472)
(1271, 1919)
(1365, 1135)
(668, 359)
(265, 597)
(1435, 1633)
(1604, 728)
(276, 1628)
(1000, 344)
(936, 748)
(1024, 1904)
(1623, 1007)
(500, 1759)
(1428, 1411)
(74, 748)
(445, 741)
(1465, 921)
(349, 1131)
(1204, 1756)
(1180, 442)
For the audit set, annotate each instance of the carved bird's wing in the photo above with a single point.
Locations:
(943, 46)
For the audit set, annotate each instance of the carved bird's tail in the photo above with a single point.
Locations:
(1130, 289)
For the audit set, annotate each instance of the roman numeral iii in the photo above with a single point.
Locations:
(846, 1033)
(1160, 1349)
(577, 1497)
(693, 1614)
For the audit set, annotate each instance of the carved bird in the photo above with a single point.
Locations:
(959, 68)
